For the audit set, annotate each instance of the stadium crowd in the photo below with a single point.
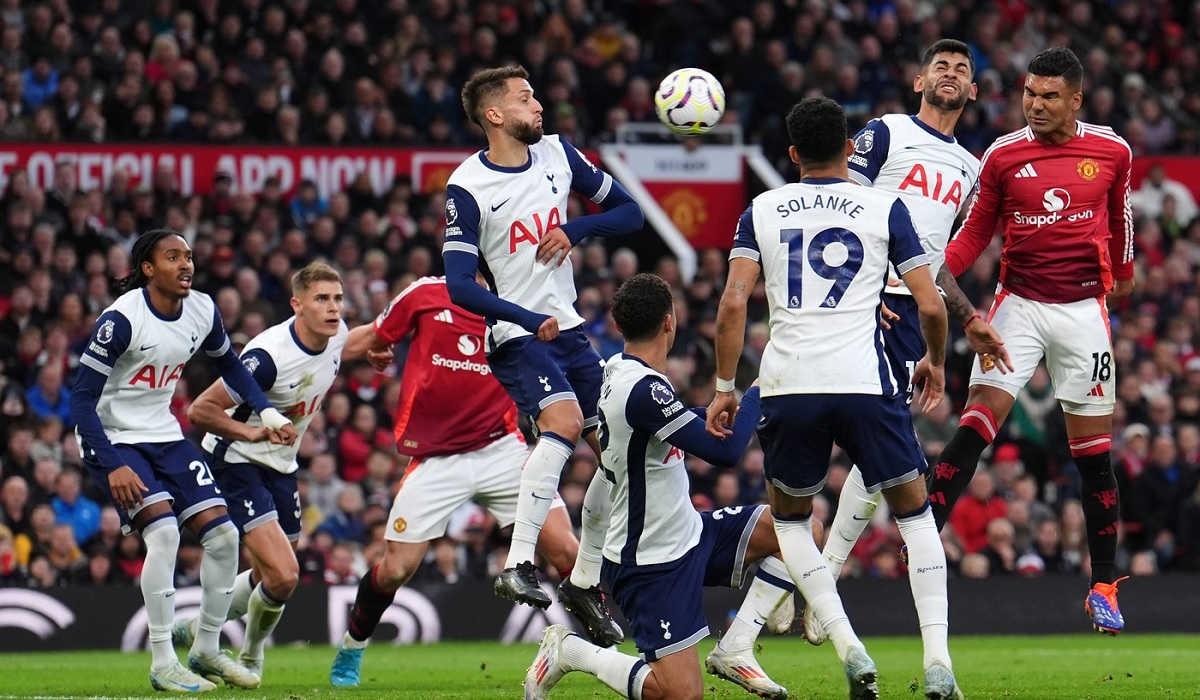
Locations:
(387, 73)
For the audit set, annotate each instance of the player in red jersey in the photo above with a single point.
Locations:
(1060, 190)
(459, 427)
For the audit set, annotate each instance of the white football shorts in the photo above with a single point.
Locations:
(1074, 338)
(434, 487)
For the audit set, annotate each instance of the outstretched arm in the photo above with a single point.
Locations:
(209, 411)
(240, 384)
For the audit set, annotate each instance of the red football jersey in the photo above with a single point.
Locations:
(1068, 227)
(449, 401)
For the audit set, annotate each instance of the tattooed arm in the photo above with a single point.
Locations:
(983, 339)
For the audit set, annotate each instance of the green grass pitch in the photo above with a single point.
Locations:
(1082, 666)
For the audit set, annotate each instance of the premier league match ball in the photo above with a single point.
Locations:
(690, 101)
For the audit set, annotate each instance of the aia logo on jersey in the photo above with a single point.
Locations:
(155, 377)
(302, 409)
(519, 233)
(937, 189)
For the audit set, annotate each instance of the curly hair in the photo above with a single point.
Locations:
(640, 306)
(816, 126)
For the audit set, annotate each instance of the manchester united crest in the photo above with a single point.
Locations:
(1088, 169)
(399, 525)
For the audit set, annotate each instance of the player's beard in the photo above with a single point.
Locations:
(526, 133)
(934, 98)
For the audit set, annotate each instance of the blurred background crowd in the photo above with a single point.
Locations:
(387, 73)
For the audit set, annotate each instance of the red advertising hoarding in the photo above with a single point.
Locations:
(193, 167)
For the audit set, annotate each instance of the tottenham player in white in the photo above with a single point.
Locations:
(294, 363)
(135, 450)
(917, 157)
(659, 552)
(506, 216)
(824, 247)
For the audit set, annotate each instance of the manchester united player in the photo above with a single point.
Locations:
(1060, 189)
(460, 428)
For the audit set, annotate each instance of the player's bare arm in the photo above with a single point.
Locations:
(363, 343)
(983, 338)
(929, 373)
(731, 334)
(208, 412)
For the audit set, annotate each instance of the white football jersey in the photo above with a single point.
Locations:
(825, 247)
(142, 354)
(295, 380)
(500, 214)
(652, 519)
(933, 173)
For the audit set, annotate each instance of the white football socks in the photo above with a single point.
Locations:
(596, 509)
(539, 484)
(811, 573)
(265, 612)
(618, 671)
(764, 596)
(854, 511)
(218, 570)
(927, 576)
(239, 604)
(158, 588)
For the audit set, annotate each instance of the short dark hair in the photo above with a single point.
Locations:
(1058, 62)
(486, 85)
(640, 306)
(816, 126)
(948, 46)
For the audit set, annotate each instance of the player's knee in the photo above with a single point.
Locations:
(563, 418)
(281, 583)
(220, 539)
(394, 572)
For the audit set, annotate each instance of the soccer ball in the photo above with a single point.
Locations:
(690, 101)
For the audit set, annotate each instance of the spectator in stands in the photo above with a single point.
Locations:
(18, 459)
(980, 506)
(1155, 187)
(36, 540)
(15, 506)
(74, 509)
(324, 485)
(49, 397)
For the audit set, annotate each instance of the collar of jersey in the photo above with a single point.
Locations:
(150, 305)
(930, 130)
(823, 180)
(627, 356)
(299, 344)
(501, 168)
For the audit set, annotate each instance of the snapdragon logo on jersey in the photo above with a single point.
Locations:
(1056, 200)
(413, 616)
(469, 346)
(187, 606)
(526, 624)
(33, 612)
